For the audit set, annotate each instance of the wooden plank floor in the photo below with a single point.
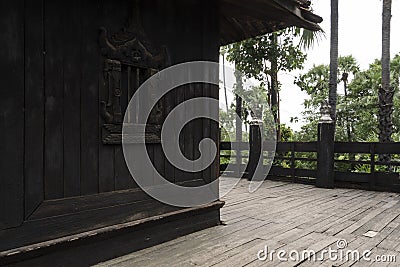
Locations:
(288, 217)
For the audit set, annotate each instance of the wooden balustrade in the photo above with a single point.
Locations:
(297, 162)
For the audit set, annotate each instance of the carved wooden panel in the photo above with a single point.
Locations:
(128, 55)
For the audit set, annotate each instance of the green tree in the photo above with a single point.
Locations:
(348, 67)
(357, 109)
(264, 57)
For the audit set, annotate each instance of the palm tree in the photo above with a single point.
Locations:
(334, 56)
(386, 91)
(309, 38)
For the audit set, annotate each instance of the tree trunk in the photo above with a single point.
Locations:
(274, 89)
(386, 92)
(348, 124)
(334, 57)
(239, 118)
(239, 111)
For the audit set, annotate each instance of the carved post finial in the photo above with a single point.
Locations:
(325, 113)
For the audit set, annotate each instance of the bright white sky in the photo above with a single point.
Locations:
(359, 35)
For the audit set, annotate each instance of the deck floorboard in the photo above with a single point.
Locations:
(284, 216)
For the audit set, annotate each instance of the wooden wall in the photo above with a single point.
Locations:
(52, 161)
(12, 113)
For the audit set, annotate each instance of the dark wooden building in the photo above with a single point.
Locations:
(68, 69)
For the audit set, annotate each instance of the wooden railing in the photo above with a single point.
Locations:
(356, 164)
(375, 174)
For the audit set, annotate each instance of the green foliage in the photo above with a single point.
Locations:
(227, 124)
(286, 133)
(309, 38)
(357, 107)
(253, 56)
(265, 56)
(254, 101)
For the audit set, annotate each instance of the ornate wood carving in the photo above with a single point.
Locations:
(112, 134)
(132, 51)
(111, 110)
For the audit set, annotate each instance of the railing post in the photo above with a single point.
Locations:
(255, 147)
(325, 150)
(239, 133)
(238, 170)
(372, 177)
(293, 162)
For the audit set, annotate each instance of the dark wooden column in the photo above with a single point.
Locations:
(325, 150)
(255, 147)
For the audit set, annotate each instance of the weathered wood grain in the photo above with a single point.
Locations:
(72, 38)
(90, 69)
(34, 106)
(283, 216)
(54, 97)
(12, 113)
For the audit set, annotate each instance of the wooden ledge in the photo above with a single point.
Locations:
(42, 249)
